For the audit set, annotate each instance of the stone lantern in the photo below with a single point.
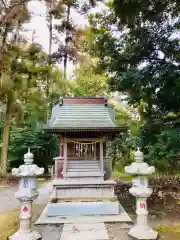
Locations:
(141, 190)
(26, 194)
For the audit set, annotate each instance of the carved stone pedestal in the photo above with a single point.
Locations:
(33, 235)
(142, 233)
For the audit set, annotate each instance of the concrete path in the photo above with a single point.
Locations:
(82, 231)
(8, 200)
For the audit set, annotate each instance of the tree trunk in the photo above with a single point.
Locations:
(67, 39)
(49, 54)
(50, 39)
(8, 114)
(5, 141)
(7, 118)
(48, 82)
(3, 47)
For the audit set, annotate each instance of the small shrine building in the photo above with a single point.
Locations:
(82, 185)
(84, 126)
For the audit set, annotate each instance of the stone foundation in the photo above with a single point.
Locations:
(76, 209)
(68, 190)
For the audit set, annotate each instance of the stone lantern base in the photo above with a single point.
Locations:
(33, 235)
(142, 233)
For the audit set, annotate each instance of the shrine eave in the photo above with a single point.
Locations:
(105, 130)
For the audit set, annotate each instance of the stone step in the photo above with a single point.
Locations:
(85, 192)
(81, 164)
(83, 167)
(85, 178)
(83, 209)
(84, 174)
(122, 218)
(82, 183)
(83, 170)
(83, 161)
(92, 199)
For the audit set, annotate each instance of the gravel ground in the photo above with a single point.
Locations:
(10, 203)
(170, 230)
(8, 200)
(50, 232)
(116, 232)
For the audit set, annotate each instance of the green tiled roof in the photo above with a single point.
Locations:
(82, 116)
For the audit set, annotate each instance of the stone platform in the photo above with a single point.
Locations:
(83, 201)
(76, 209)
(83, 206)
(122, 217)
(82, 189)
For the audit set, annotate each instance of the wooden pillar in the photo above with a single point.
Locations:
(65, 158)
(95, 146)
(61, 159)
(62, 149)
(101, 157)
(56, 167)
(104, 149)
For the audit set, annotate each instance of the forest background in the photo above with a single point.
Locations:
(134, 52)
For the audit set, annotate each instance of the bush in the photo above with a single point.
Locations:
(164, 154)
(166, 193)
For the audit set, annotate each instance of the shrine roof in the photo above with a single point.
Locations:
(82, 114)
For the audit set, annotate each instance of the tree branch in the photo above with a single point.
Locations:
(21, 2)
(3, 2)
(10, 9)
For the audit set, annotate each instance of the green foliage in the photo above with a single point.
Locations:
(30, 87)
(68, 49)
(134, 50)
(137, 44)
(122, 116)
(44, 146)
(23, 95)
(142, 58)
(89, 83)
(122, 147)
(164, 154)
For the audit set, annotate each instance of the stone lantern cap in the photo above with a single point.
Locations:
(139, 167)
(28, 168)
(28, 157)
